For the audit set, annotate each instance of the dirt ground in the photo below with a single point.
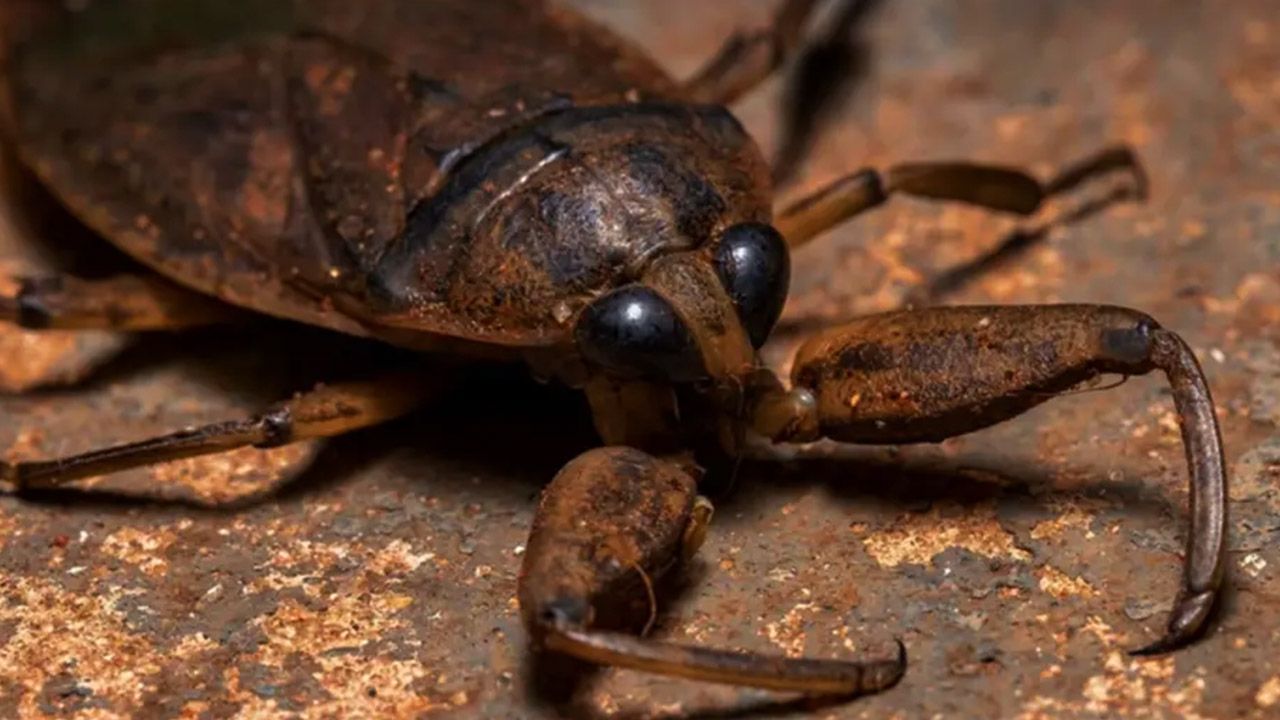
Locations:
(374, 575)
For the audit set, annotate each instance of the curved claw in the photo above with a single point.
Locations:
(1184, 624)
(802, 675)
(1206, 540)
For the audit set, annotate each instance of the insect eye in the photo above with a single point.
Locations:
(755, 267)
(634, 331)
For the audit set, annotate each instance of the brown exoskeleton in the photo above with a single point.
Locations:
(551, 196)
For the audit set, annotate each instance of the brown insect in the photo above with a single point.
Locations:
(508, 180)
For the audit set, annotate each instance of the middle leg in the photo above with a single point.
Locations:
(994, 187)
(325, 411)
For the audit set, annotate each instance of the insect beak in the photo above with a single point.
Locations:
(689, 283)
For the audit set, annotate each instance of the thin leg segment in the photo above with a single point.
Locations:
(997, 188)
(828, 66)
(746, 60)
(771, 672)
(823, 69)
(924, 376)
(610, 521)
(326, 411)
(124, 302)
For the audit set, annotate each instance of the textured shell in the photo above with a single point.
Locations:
(273, 153)
(608, 516)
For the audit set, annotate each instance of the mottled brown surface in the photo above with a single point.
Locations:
(357, 167)
(934, 373)
(1017, 563)
(608, 518)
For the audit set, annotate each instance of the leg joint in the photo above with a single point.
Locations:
(277, 428)
(32, 312)
(1131, 346)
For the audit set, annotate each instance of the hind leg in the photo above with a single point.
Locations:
(748, 59)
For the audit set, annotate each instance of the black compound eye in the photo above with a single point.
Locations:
(755, 267)
(635, 331)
